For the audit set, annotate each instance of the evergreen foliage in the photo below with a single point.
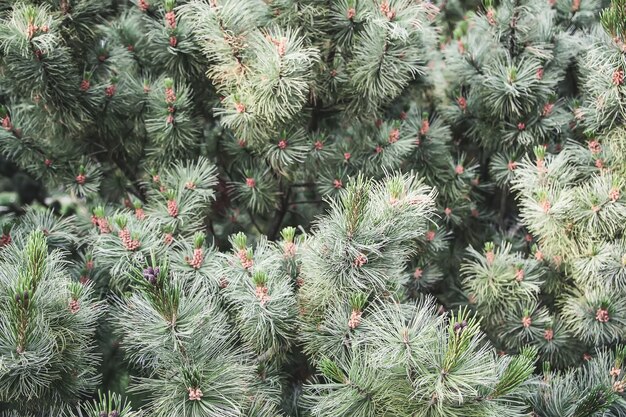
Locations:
(307, 208)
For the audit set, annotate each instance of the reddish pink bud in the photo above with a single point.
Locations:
(140, 214)
(547, 109)
(618, 77)
(84, 85)
(170, 96)
(355, 319)
(251, 182)
(539, 73)
(74, 306)
(602, 315)
(5, 240)
(109, 91)
(594, 146)
(394, 135)
(195, 394)
(172, 208)
(127, 241)
(462, 102)
(262, 294)
(6, 123)
(360, 260)
(170, 19)
(197, 259)
(387, 10)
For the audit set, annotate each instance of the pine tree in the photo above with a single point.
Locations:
(312, 208)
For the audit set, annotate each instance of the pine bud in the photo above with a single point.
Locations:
(360, 260)
(74, 306)
(548, 334)
(172, 208)
(196, 261)
(261, 293)
(394, 135)
(143, 5)
(195, 394)
(6, 122)
(170, 19)
(84, 85)
(5, 240)
(355, 319)
(602, 315)
(462, 102)
(539, 73)
(109, 91)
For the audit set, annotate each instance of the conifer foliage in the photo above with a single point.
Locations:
(312, 208)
